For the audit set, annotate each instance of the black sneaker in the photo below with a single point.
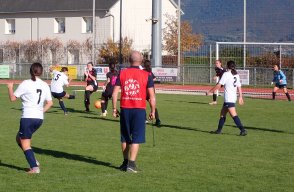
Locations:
(123, 166)
(158, 123)
(132, 169)
(216, 132)
(243, 133)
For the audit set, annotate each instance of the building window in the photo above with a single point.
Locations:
(87, 25)
(10, 26)
(59, 25)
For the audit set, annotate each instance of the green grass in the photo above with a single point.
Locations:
(80, 152)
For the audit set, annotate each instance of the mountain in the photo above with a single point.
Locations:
(222, 20)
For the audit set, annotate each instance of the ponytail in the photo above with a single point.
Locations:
(36, 70)
(232, 66)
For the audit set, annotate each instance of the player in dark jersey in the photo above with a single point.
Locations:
(92, 85)
(108, 88)
(219, 70)
(147, 67)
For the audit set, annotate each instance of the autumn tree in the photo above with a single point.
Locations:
(189, 40)
(109, 51)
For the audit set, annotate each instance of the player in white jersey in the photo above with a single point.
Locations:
(36, 100)
(231, 82)
(59, 80)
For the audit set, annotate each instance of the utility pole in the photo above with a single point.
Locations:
(156, 49)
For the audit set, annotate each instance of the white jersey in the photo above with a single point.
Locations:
(58, 81)
(33, 94)
(230, 83)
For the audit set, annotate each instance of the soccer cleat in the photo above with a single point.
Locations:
(213, 103)
(38, 163)
(103, 114)
(216, 132)
(243, 133)
(65, 113)
(146, 121)
(34, 170)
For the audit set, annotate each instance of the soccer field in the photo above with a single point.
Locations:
(81, 152)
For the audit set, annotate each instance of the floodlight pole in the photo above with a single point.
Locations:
(156, 50)
(179, 38)
(244, 38)
(120, 35)
(94, 32)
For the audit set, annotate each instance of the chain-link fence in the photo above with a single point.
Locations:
(188, 74)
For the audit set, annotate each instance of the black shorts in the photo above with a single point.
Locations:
(107, 94)
(95, 88)
(58, 95)
(28, 126)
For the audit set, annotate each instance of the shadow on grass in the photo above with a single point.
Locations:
(183, 128)
(194, 102)
(71, 110)
(12, 166)
(262, 129)
(101, 118)
(75, 157)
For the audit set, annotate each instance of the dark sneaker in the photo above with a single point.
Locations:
(123, 166)
(158, 123)
(243, 133)
(216, 132)
(132, 169)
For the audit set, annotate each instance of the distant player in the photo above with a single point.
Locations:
(147, 67)
(280, 82)
(219, 70)
(36, 100)
(92, 85)
(59, 80)
(231, 82)
(108, 88)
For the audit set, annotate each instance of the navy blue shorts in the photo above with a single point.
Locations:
(228, 105)
(132, 125)
(28, 126)
(58, 95)
(281, 86)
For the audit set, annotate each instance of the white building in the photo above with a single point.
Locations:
(22, 20)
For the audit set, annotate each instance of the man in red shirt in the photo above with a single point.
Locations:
(135, 84)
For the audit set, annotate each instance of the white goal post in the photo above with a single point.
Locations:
(251, 43)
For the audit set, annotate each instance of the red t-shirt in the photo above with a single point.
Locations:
(134, 83)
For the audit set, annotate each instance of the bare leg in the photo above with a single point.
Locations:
(134, 151)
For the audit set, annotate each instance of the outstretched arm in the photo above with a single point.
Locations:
(218, 86)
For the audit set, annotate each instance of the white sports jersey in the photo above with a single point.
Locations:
(58, 81)
(33, 94)
(230, 83)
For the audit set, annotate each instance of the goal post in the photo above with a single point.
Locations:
(244, 44)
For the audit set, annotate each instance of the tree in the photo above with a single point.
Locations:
(109, 51)
(189, 40)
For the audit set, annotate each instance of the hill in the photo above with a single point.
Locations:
(267, 20)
